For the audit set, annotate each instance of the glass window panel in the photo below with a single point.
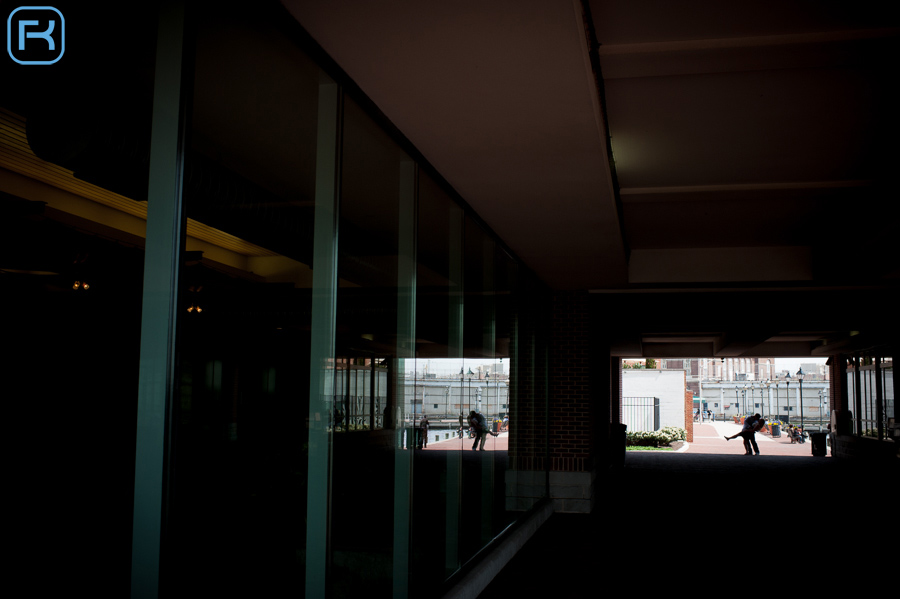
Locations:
(439, 272)
(526, 477)
(371, 464)
(238, 499)
(478, 482)
(438, 468)
(500, 398)
(73, 176)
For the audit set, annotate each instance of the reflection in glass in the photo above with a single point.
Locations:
(370, 467)
(72, 225)
(238, 499)
(312, 345)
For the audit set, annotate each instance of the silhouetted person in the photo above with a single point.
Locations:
(479, 425)
(748, 432)
(423, 432)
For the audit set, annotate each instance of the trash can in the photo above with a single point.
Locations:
(617, 445)
(776, 430)
(819, 447)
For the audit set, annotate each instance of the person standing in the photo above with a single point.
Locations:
(479, 425)
(423, 428)
(748, 432)
(750, 436)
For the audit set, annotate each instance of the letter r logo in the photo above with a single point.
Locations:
(35, 35)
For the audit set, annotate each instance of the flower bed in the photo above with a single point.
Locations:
(664, 436)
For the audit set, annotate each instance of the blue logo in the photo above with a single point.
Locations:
(35, 35)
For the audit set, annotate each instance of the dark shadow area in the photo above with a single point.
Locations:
(364, 501)
(666, 523)
(481, 510)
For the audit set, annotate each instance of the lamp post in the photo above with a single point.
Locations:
(462, 377)
(821, 410)
(447, 413)
(750, 396)
(486, 391)
(787, 381)
(469, 391)
(800, 376)
(825, 411)
(762, 398)
(737, 400)
(497, 371)
(747, 393)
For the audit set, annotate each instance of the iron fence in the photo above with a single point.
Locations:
(641, 413)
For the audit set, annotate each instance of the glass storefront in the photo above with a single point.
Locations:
(239, 475)
(252, 333)
(73, 179)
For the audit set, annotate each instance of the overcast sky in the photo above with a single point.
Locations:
(793, 364)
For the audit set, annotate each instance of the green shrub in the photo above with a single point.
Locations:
(664, 436)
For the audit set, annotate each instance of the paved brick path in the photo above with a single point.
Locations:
(499, 443)
(709, 438)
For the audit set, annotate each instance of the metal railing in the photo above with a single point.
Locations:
(641, 413)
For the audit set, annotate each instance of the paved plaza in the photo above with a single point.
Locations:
(709, 438)
(444, 440)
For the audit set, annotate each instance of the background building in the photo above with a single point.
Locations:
(773, 399)
(698, 370)
(666, 386)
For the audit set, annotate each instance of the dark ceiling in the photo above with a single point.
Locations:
(736, 154)
(718, 176)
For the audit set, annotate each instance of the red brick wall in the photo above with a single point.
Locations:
(615, 408)
(689, 414)
(837, 392)
(571, 430)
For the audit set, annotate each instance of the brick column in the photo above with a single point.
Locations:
(615, 395)
(838, 396)
(572, 418)
(689, 414)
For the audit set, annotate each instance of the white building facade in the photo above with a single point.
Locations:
(668, 386)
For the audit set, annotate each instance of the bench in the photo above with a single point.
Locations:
(799, 438)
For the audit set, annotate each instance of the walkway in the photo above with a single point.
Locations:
(453, 443)
(709, 438)
(669, 521)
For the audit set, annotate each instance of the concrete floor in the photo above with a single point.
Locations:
(667, 522)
